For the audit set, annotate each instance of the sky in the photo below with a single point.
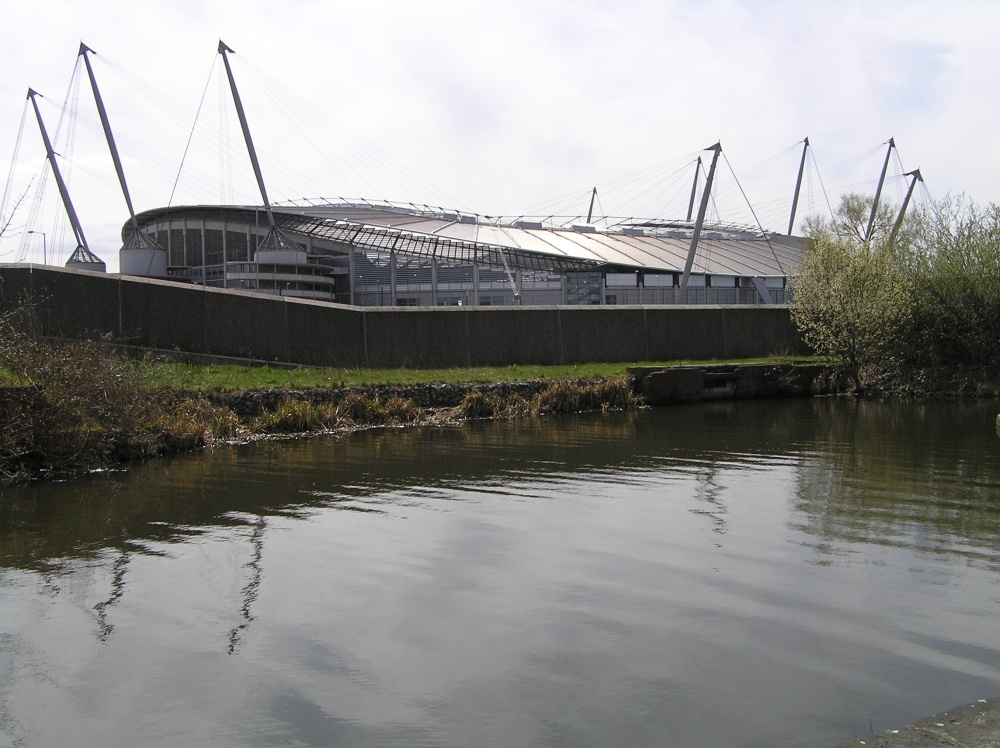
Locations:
(510, 108)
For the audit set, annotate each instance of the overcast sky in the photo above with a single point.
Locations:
(500, 108)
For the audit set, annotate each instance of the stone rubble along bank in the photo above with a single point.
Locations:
(655, 385)
(250, 404)
(968, 726)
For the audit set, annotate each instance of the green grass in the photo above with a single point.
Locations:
(236, 378)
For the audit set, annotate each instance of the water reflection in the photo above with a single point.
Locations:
(118, 568)
(862, 467)
(593, 580)
(250, 590)
(920, 475)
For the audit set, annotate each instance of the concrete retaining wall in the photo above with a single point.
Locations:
(215, 322)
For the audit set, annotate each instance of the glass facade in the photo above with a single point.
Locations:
(220, 253)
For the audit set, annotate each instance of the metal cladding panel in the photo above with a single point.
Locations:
(534, 240)
(639, 254)
(595, 247)
(423, 226)
(668, 254)
(466, 232)
(392, 220)
(560, 242)
(754, 258)
(496, 236)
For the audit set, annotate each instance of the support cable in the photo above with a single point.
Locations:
(822, 187)
(6, 213)
(187, 147)
(754, 213)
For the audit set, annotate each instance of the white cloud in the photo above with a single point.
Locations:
(501, 106)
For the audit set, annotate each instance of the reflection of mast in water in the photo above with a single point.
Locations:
(708, 494)
(252, 587)
(117, 590)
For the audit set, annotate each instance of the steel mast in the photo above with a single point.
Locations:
(906, 201)
(275, 239)
(694, 188)
(701, 220)
(590, 212)
(151, 258)
(82, 258)
(798, 185)
(878, 190)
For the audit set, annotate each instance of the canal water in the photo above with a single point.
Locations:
(790, 573)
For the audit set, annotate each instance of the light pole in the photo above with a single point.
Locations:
(45, 260)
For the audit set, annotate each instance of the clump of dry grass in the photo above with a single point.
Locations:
(561, 396)
(355, 409)
(567, 396)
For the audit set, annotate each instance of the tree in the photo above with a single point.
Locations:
(923, 312)
(850, 222)
(957, 296)
(850, 304)
(13, 211)
(852, 295)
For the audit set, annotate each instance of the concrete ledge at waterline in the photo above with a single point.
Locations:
(969, 726)
(685, 384)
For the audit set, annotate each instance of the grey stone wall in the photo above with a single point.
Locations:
(181, 317)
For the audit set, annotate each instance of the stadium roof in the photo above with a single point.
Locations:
(549, 243)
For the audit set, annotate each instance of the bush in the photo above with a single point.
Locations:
(358, 409)
(400, 410)
(852, 302)
(957, 294)
(919, 314)
(567, 396)
(296, 417)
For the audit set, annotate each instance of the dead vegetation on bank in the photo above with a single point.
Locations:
(68, 407)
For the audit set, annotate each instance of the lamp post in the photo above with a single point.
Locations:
(45, 260)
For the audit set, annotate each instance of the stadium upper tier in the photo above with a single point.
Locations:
(358, 252)
(549, 243)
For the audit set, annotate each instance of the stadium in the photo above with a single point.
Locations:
(380, 254)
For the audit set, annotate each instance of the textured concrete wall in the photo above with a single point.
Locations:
(208, 321)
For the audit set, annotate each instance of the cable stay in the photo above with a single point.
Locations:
(759, 283)
(822, 187)
(82, 258)
(381, 164)
(7, 213)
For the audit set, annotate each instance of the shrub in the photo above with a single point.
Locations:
(852, 303)
(195, 422)
(292, 417)
(358, 409)
(567, 396)
(919, 314)
(400, 410)
(476, 404)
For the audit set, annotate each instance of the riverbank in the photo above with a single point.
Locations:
(974, 725)
(57, 433)
(67, 423)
